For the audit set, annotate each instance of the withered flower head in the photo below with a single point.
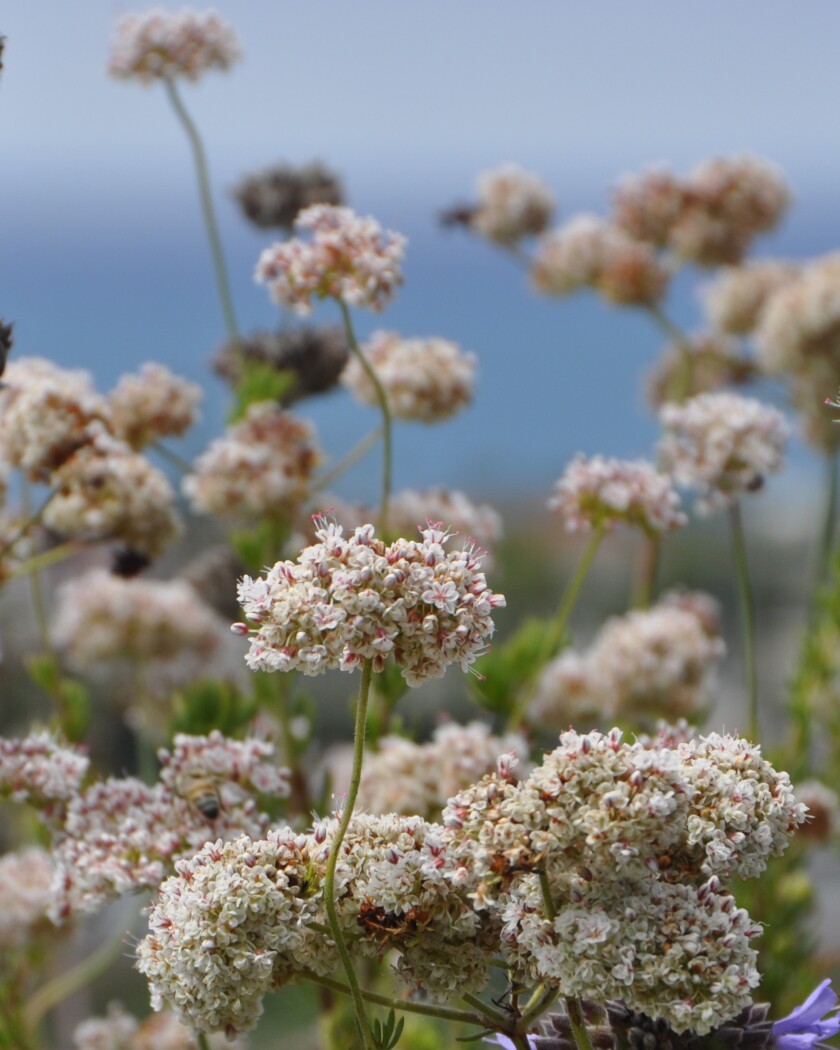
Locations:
(314, 354)
(273, 197)
(6, 330)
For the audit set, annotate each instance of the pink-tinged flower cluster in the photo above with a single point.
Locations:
(599, 492)
(164, 45)
(261, 466)
(478, 522)
(47, 413)
(657, 662)
(101, 617)
(25, 896)
(107, 491)
(424, 379)
(735, 301)
(349, 258)
(722, 445)
(512, 204)
(41, 770)
(710, 217)
(589, 252)
(409, 778)
(151, 405)
(348, 600)
(121, 835)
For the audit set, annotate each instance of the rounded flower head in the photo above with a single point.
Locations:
(735, 300)
(347, 600)
(276, 196)
(703, 362)
(598, 492)
(162, 45)
(722, 445)
(152, 405)
(261, 466)
(588, 252)
(349, 258)
(424, 379)
(512, 204)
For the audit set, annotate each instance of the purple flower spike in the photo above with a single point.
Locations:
(808, 1025)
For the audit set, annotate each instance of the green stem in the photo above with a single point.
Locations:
(747, 617)
(578, 1024)
(178, 462)
(387, 425)
(27, 526)
(554, 635)
(829, 523)
(335, 851)
(347, 461)
(444, 1013)
(648, 566)
(202, 1041)
(42, 561)
(548, 900)
(73, 980)
(681, 385)
(222, 282)
(494, 1017)
(544, 1002)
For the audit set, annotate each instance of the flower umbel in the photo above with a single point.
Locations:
(347, 600)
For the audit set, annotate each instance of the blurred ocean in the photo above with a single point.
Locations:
(105, 280)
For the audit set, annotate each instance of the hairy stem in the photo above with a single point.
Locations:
(578, 1024)
(222, 282)
(745, 595)
(387, 424)
(335, 851)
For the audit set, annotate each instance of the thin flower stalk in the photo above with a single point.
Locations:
(335, 850)
(578, 1024)
(222, 281)
(745, 594)
(387, 424)
(829, 526)
(444, 1013)
(347, 461)
(681, 383)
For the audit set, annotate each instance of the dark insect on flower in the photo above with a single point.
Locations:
(458, 215)
(273, 198)
(2, 49)
(201, 791)
(6, 330)
(126, 562)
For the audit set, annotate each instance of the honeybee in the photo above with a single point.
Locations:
(202, 791)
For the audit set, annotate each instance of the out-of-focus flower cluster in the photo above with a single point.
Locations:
(348, 600)
(260, 467)
(119, 1030)
(409, 778)
(424, 379)
(276, 196)
(599, 492)
(349, 258)
(512, 204)
(164, 45)
(648, 664)
(722, 445)
(57, 430)
(634, 842)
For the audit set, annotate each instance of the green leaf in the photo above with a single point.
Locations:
(260, 381)
(206, 705)
(512, 666)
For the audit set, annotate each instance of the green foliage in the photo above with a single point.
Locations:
(387, 1035)
(259, 381)
(72, 699)
(261, 545)
(207, 705)
(508, 668)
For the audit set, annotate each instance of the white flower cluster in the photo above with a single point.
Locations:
(261, 466)
(424, 379)
(710, 217)
(232, 924)
(118, 1030)
(736, 299)
(39, 769)
(598, 492)
(409, 778)
(658, 662)
(152, 405)
(589, 252)
(46, 414)
(722, 445)
(801, 321)
(163, 45)
(100, 616)
(107, 491)
(121, 835)
(512, 204)
(25, 895)
(348, 600)
(634, 841)
(349, 258)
